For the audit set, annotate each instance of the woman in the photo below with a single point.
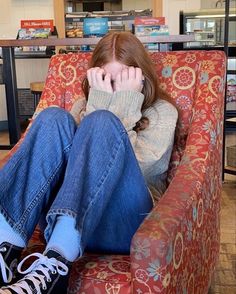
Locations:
(88, 172)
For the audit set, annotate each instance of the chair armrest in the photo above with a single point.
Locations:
(176, 248)
(178, 243)
(172, 237)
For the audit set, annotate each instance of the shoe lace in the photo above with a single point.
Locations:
(42, 264)
(4, 268)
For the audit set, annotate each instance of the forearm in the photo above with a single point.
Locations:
(126, 105)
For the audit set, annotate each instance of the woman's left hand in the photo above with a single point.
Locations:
(99, 80)
(130, 78)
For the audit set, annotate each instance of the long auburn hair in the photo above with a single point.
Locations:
(125, 48)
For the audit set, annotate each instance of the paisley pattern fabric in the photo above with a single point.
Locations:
(176, 248)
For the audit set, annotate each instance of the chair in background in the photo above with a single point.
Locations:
(176, 248)
(36, 89)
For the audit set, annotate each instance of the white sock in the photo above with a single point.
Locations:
(7, 234)
(65, 239)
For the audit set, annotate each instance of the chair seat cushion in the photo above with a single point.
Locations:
(101, 274)
(93, 273)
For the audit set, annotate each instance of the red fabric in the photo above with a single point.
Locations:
(176, 248)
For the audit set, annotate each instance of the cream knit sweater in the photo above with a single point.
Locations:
(153, 145)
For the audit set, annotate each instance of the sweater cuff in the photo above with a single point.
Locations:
(98, 99)
(127, 102)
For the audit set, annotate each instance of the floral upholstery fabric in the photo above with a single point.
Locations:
(63, 83)
(176, 248)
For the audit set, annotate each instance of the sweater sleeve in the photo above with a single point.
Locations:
(126, 105)
(78, 109)
(98, 100)
(153, 145)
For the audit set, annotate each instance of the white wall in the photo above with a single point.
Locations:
(171, 9)
(136, 4)
(3, 107)
(208, 4)
(13, 11)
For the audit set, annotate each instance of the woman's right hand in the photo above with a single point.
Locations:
(98, 80)
(129, 79)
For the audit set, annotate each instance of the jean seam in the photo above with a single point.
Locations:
(51, 213)
(103, 178)
(18, 226)
(21, 155)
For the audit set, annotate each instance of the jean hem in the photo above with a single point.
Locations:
(51, 220)
(14, 225)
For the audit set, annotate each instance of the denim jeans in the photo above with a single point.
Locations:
(88, 171)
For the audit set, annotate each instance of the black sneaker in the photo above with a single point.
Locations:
(49, 273)
(9, 256)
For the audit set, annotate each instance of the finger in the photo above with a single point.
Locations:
(124, 74)
(118, 78)
(99, 76)
(89, 77)
(107, 78)
(107, 82)
(131, 71)
(94, 76)
(138, 74)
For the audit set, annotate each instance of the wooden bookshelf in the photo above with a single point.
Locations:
(90, 41)
(157, 8)
(59, 17)
(59, 14)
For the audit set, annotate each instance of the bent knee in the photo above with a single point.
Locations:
(101, 116)
(102, 119)
(54, 113)
(55, 116)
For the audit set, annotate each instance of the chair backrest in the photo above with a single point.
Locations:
(195, 81)
(63, 83)
(188, 77)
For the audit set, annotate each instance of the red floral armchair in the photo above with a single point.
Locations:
(176, 248)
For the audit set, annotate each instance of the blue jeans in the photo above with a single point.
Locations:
(88, 171)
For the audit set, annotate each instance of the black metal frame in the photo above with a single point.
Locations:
(227, 114)
(9, 79)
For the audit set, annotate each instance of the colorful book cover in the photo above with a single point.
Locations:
(149, 21)
(96, 27)
(28, 34)
(145, 31)
(37, 24)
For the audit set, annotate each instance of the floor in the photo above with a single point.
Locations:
(224, 279)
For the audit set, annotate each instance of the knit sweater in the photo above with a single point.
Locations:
(153, 145)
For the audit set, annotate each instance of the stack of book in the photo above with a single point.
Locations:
(150, 26)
